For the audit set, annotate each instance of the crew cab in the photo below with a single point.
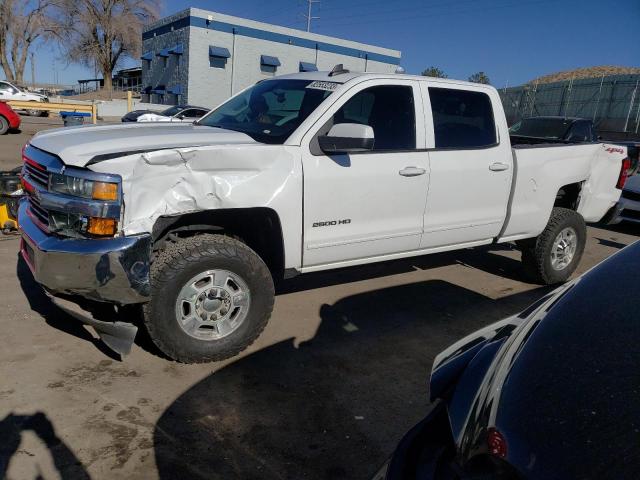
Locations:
(297, 174)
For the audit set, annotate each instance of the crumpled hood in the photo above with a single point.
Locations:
(77, 146)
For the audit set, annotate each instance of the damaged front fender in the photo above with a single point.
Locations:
(173, 182)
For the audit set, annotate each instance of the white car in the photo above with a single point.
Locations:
(301, 173)
(9, 91)
(178, 113)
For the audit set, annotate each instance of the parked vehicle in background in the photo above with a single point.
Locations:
(299, 173)
(553, 129)
(551, 393)
(178, 113)
(535, 130)
(8, 91)
(133, 115)
(628, 208)
(8, 118)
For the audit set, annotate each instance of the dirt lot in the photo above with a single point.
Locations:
(326, 392)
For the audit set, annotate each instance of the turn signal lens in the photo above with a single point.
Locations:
(102, 226)
(105, 191)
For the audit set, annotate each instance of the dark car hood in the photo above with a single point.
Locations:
(564, 391)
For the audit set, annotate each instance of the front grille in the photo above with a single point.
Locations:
(38, 212)
(36, 173)
(631, 195)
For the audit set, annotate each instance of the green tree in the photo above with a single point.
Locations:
(480, 77)
(434, 72)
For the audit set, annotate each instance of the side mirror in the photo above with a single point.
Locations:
(347, 138)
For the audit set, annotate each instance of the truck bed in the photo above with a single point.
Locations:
(542, 170)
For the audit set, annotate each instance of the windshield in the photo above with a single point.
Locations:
(271, 110)
(171, 111)
(555, 128)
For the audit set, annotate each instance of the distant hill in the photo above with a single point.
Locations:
(587, 72)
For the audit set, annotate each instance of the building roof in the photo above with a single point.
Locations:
(195, 17)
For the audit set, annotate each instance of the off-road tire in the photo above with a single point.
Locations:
(179, 261)
(4, 125)
(536, 255)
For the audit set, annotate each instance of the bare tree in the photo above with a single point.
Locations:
(22, 23)
(434, 72)
(102, 33)
(480, 77)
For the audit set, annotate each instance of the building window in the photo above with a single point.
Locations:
(308, 67)
(269, 64)
(218, 56)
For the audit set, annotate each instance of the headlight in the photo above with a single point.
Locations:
(80, 187)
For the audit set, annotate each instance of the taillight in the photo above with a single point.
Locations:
(624, 173)
(496, 443)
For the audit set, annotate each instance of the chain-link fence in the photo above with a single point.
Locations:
(612, 102)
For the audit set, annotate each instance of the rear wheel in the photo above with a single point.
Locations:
(211, 298)
(4, 125)
(556, 252)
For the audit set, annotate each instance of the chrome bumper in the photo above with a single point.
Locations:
(111, 270)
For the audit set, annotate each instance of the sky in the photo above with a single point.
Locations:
(512, 41)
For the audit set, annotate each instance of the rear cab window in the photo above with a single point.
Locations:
(462, 119)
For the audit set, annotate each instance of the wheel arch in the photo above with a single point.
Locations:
(568, 196)
(258, 227)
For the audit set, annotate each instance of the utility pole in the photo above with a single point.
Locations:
(308, 16)
(33, 72)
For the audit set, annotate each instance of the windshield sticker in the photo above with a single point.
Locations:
(326, 86)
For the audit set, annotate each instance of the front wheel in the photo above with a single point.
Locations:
(555, 254)
(211, 298)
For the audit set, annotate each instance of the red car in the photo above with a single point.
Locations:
(8, 118)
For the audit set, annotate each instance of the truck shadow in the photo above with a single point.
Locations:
(334, 406)
(482, 258)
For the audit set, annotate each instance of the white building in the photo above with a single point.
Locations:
(202, 58)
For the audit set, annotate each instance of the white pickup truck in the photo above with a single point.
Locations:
(296, 174)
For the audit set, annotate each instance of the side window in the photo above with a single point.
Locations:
(579, 132)
(462, 119)
(5, 87)
(389, 110)
(192, 113)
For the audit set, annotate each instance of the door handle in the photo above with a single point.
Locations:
(412, 171)
(498, 167)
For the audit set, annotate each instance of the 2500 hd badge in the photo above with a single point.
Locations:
(332, 223)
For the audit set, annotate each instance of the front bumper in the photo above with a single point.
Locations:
(112, 270)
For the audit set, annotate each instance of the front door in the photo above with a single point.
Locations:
(367, 204)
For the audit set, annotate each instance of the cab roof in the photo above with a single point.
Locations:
(348, 76)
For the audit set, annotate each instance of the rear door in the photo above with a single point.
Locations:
(471, 166)
(371, 203)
